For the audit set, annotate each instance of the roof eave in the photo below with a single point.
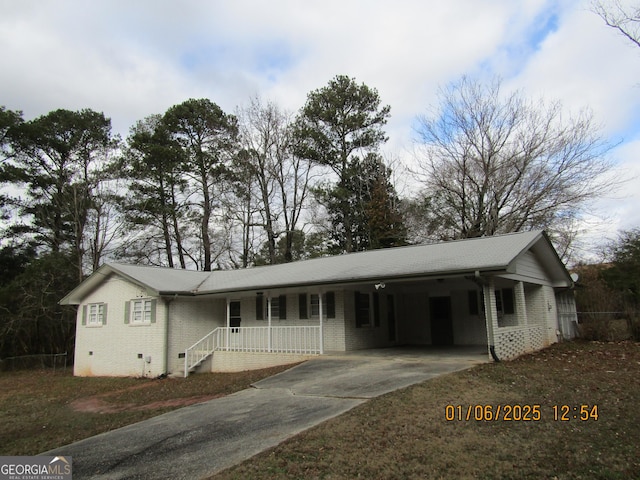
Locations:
(354, 281)
(75, 296)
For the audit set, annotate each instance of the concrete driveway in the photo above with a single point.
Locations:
(200, 440)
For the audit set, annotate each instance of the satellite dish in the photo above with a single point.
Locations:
(574, 277)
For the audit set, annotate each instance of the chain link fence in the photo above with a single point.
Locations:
(45, 361)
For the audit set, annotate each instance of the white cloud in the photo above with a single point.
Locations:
(131, 59)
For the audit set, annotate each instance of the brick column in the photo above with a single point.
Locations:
(490, 313)
(521, 312)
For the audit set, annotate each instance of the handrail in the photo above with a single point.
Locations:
(196, 353)
(303, 340)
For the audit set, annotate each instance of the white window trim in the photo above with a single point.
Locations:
(147, 305)
(310, 305)
(95, 314)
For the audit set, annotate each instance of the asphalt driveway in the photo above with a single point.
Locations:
(199, 440)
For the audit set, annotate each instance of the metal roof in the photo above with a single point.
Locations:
(485, 254)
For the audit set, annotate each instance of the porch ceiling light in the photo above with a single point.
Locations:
(379, 285)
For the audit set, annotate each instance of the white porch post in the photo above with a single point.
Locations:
(490, 315)
(521, 312)
(321, 327)
(521, 304)
(228, 322)
(269, 322)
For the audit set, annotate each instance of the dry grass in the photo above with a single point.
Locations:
(400, 435)
(40, 410)
(405, 435)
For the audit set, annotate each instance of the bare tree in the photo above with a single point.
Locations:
(494, 163)
(281, 179)
(624, 19)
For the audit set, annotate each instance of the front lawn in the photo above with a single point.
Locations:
(406, 434)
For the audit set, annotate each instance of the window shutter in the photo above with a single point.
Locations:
(153, 310)
(282, 303)
(84, 315)
(331, 304)
(104, 314)
(302, 305)
(361, 301)
(259, 307)
(127, 308)
(376, 309)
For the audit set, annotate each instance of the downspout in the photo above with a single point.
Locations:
(269, 322)
(488, 313)
(165, 366)
(321, 327)
(492, 351)
(228, 323)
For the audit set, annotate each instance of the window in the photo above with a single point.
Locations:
(315, 305)
(504, 301)
(311, 303)
(94, 314)
(279, 307)
(141, 311)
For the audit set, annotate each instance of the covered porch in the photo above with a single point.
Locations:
(501, 316)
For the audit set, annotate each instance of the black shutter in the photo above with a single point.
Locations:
(362, 309)
(331, 304)
(259, 307)
(376, 309)
(302, 306)
(282, 304)
(154, 302)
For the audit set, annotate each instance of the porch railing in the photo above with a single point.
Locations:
(299, 340)
(199, 351)
(303, 340)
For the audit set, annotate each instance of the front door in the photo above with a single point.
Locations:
(441, 320)
(234, 316)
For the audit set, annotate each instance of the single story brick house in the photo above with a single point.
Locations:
(510, 294)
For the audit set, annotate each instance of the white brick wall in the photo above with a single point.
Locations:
(467, 329)
(113, 348)
(414, 321)
(241, 361)
(190, 319)
(536, 329)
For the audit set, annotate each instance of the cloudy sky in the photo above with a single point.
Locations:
(132, 58)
